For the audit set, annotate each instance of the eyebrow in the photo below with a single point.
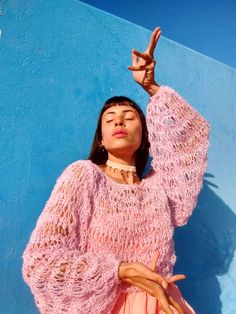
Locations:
(123, 111)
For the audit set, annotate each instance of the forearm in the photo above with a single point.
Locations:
(179, 138)
(56, 276)
(175, 121)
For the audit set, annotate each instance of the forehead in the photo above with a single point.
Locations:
(120, 108)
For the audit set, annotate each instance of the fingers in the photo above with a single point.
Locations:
(135, 58)
(140, 270)
(164, 302)
(155, 290)
(175, 305)
(153, 41)
(140, 54)
(152, 266)
(143, 67)
(155, 284)
(175, 278)
(143, 55)
(137, 68)
(156, 278)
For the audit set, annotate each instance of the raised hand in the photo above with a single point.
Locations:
(143, 64)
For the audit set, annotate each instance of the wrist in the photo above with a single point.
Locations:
(152, 89)
(122, 270)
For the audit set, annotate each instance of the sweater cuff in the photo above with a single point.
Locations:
(160, 90)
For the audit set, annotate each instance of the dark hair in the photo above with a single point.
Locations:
(99, 155)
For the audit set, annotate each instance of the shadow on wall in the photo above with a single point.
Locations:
(205, 248)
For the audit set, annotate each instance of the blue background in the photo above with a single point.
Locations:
(208, 26)
(59, 62)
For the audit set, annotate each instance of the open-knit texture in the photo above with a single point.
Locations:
(91, 223)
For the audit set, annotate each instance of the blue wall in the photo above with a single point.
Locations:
(205, 26)
(59, 62)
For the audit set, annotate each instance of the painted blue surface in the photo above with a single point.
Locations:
(59, 62)
(205, 26)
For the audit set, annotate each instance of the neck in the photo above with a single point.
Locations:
(126, 160)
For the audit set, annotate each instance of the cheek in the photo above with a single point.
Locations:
(137, 135)
(105, 132)
(139, 129)
(140, 136)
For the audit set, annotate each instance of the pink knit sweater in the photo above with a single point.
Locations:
(91, 223)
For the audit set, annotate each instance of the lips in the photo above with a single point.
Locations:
(119, 132)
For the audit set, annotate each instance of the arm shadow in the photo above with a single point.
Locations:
(205, 249)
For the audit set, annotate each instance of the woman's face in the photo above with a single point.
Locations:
(121, 130)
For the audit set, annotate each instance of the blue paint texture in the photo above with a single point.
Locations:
(60, 60)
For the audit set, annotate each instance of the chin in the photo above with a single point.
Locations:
(124, 150)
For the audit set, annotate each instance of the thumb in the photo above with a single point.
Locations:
(152, 264)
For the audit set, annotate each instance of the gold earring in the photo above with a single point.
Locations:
(103, 149)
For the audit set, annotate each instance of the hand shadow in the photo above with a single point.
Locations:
(205, 249)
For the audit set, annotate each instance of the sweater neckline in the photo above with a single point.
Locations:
(112, 181)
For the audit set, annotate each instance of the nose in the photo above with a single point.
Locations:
(119, 121)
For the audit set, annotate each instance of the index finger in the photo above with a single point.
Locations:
(175, 278)
(153, 41)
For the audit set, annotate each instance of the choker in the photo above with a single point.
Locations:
(120, 167)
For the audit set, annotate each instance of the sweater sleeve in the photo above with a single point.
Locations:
(178, 136)
(62, 276)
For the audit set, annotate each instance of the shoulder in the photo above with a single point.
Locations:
(83, 170)
(79, 166)
(79, 171)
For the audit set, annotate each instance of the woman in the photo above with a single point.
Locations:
(104, 241)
